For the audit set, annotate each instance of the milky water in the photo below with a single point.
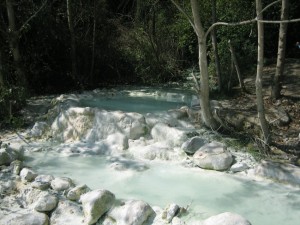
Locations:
(206, 193)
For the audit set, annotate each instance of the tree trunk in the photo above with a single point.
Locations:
(276, 88)
(206, 112)
(73, 42)
(258, 82)
(237, 68)
(13, 39)
(215, 46)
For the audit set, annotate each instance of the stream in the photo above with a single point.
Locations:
(160, 182)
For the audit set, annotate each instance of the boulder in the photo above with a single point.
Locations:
(95, 204)
(226, 218)
(132, 212)
(66, 213)
(34, 218)
(193, 144)
(213, 156)
(61, 183)
(75, 193)
(285, 173)
(46, 203)
(27, 174)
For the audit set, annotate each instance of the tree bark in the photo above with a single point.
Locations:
(276, 88)
(206, 112)
(14, 45)
(73, 41)
(237, 68)
(215, 46)
(258, 82)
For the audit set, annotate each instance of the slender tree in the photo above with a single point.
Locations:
(259, 73)
(276, 87)
(236, 65)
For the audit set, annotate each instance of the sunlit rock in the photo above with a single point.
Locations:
(44, 178)
(34, 218)
(173, 136)
(93, 125)
(67, 213)
(193, 144)
(61, 183)
(46, 203)
(95, 204)
(226, 218)
(75, 193)
(28, 196)
(213, 156)
(118, 141)
(28, 174)
(157, 151)
(132, 212)
(285, 173)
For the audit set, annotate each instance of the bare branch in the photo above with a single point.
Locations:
(34, 15)
(239, 23)
(185, 14)
(280, 21)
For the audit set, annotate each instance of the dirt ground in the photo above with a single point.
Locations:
(285, 144)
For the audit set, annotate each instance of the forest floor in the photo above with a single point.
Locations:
(285, 146)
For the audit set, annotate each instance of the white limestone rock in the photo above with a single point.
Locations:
(95, 203)
(28, 175)
(34, 218)
(46, 203)
(67, 213)
(91, 124)
(61, 183)
(75, 193)
(157, 151)
(173, 136)
(132, 212)
(213, 156)
(226, 218)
